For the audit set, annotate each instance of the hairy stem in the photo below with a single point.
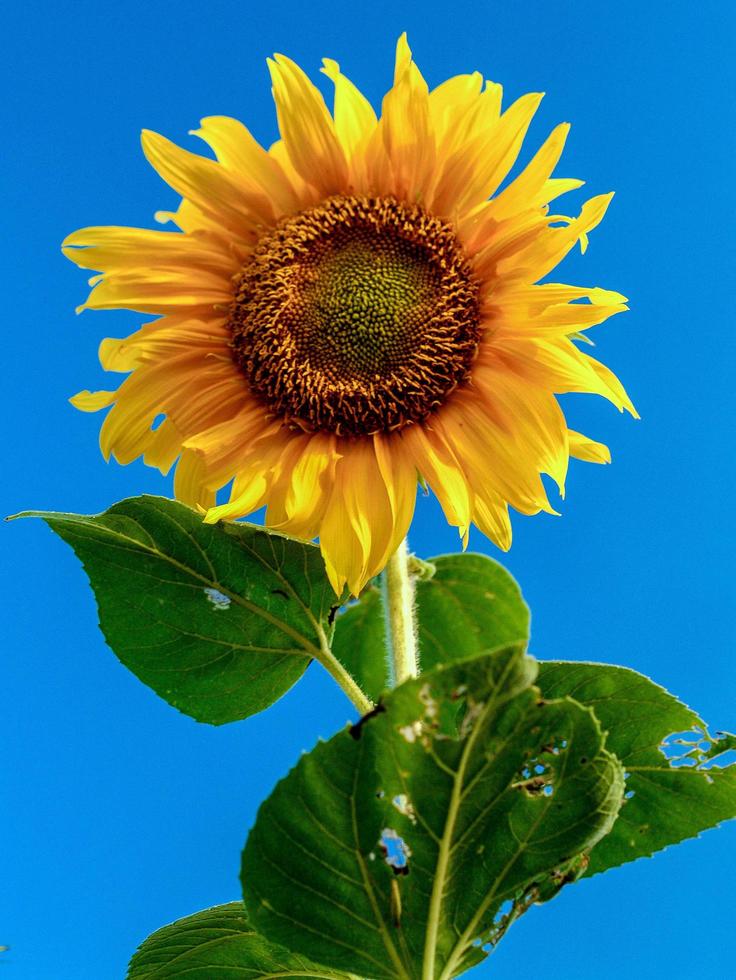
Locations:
(399, 599)
(338, 673)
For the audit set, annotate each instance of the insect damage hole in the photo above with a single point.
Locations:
(396, 852)
(404, 805)
(697, 749)
(536, 776)
(218, 599)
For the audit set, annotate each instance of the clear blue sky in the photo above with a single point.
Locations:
(120, 814)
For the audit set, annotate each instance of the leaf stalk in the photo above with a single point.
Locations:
(340, 675)
(400, 615)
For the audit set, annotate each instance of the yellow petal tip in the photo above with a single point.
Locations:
(92, 401)
(330, 68)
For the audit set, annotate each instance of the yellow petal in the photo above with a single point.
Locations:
(504, 452)
(491, 516)
(474, 172)
(581, 447)
(440, 468)
(239, 152)
(307, 128)
(164, 447)
(450, 101)
(528, 190)
(562, 319)
(572, 317)
(277, 515)
(306, 193)
(557, 186)
(120, 249)
(532, 299)
(159, 291)
(217, 193)
(406, 129)
(189, 481)
(193, 221)
(539, 425)
(169, 336)
(342, 549)
(556, 363)
(617, 392)
(254, 478)
(399, 475)
(93, 401)
(217, 394)
(193, 390)
(359, 531)
(309, 484)
(355, 119)
(542, 255)
(491, 242)
(403, 59)
(228, 444)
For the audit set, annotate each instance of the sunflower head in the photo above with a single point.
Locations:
(357, 316)
(355, 309)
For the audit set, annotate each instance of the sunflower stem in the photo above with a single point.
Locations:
(340, 675)
(399, 601)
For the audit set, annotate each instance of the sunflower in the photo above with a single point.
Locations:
(352, 311)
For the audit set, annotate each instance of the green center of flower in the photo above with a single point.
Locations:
(357, 316)
(364, 303)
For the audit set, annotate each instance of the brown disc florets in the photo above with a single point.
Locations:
(356, 316)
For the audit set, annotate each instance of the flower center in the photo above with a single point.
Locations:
(356, 316)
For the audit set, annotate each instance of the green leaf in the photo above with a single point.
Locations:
(219, 620)
(469, 606)
(359, 643)
(668, 798)
(395, 844)
(217, 942)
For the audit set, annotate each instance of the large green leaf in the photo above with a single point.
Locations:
(668, 799)
(218, 943)
(219, 620)
(469, 606)
(359, 643)
(392, 847)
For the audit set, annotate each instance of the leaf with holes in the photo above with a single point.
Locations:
(675, 788)
(395, 844)
(218, 942)
(219, 620)
(469, 606)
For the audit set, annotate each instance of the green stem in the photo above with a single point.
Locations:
(338, 673)
(399, 599)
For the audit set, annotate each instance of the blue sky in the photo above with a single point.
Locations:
(120, 814)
